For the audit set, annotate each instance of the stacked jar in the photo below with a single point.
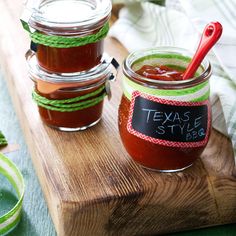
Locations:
(67, 62)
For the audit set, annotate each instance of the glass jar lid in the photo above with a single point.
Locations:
(70, 17)
(102, 71)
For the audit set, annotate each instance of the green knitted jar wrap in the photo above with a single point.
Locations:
(71, 104)
(68, 42)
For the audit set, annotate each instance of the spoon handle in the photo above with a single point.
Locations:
(210, 36)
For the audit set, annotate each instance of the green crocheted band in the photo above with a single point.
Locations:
(3, 141)
(71, 104)
(68, 42)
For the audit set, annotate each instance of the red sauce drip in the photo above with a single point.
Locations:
(160, 73)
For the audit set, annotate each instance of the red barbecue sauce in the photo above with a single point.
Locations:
(149, 154)
(69, 60)
(74, 119)
(160, 73)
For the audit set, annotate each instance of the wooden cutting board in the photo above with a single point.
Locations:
(90, 184)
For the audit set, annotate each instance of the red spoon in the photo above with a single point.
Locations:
(210, 36)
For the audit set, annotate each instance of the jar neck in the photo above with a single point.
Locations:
(196, 93)
(194, 89)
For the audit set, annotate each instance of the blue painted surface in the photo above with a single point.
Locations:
(35, 220)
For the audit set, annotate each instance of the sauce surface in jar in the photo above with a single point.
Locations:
(75, 120)
(161, 125)
(160, 72)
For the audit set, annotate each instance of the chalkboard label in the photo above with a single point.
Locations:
(169, 123)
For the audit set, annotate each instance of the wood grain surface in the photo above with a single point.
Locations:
(90, 184)
(35, 219)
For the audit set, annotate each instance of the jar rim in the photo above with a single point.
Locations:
(37, 73)
(61, 17)
(145, 53)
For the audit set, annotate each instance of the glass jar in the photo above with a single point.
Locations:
(68, 33)
(70, 102)
(164, 125)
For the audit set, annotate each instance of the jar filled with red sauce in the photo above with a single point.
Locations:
(70, 102)
(164, 121)
(63, 22)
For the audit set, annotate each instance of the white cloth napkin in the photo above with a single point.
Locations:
(179, 23)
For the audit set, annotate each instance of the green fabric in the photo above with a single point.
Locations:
(178, 93)
(35, 219)
(71, 104)
(68, 42)
(165, 92)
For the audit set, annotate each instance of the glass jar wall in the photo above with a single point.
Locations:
(70, 102)
(164, 125)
